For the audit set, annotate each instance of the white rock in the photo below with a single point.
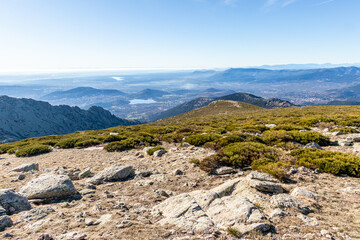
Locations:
(113, 173)
(49, 186)
(26, 167)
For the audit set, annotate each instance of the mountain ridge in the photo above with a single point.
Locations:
(239, 97)
(23, 118)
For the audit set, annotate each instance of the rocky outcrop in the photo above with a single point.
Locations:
(236, 204)
(36, 214)
(11, 202)
(48, 187)
(113, 173)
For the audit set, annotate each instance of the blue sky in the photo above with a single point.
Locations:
(63, 34)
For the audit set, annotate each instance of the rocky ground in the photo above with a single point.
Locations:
(168, 197)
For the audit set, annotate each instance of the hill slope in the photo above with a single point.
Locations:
(220, 107)
(82, 92)
(24, 118)
(240, 97)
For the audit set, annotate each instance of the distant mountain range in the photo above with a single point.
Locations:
(24, 118)
(239, 97)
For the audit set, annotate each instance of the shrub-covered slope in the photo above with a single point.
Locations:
(269, 140)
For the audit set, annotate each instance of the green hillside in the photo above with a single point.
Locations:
(237, 131)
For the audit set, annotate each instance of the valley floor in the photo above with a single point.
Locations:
(336, 210)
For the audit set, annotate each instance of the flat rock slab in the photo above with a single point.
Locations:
(27, 167)
(36, 214)
(204, 210)
(110, 174)
(11, 202)
(49, 186)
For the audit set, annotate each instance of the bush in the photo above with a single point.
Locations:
(308, 137)
(254, 128)
(278, 169)
(289, 127)
(243, 154)
(233, 138)
(68, 142)
(345, 130)
(201, 139)
(112, 138)
(123, 145)
(328, 161)
(154, 149)
(209, 163)
(87, 143)
(32, 150)
(276, 137)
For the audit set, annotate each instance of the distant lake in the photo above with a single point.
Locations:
(142, 101)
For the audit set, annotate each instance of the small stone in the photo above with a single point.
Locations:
(89, 222)
(313, 145)
(162, 193)
(5, 221)
(178, 172)
(338, 133)
(277, 213)
(8, 235)
(45, 236)
(21, 177)
(104, 219)
(224, 170)
(87, 192)
(185, 144)
(270, 125)
(85, 173)
(159, 153)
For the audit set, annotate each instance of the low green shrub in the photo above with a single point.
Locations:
(278, 169)
(233, 138)
(254, 128)
(123, 145)
(328, 161)
(275, 137)
(209, 163)
(68, 142)
(310, 136)
(154, 149)
(195, 161)
(243, 154)
(201, 139)
(112, 138)
(289, 127)
(345, 130)
(87, 143)
(32, 150)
